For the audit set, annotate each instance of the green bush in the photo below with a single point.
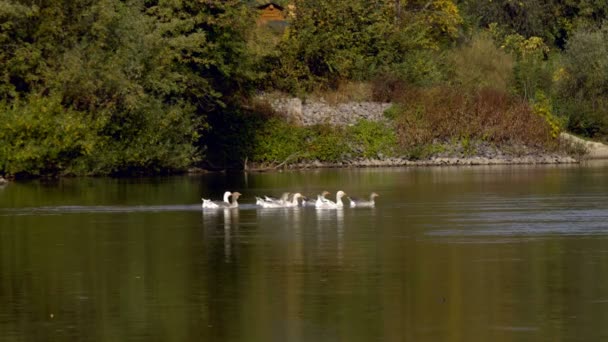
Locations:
(372, 139)
(276, 141)
(582, 83)
(260, 136)
(481, 64)
(40, 137)
(327, 143)
(153, 138)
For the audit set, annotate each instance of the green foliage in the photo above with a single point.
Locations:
(552, 20)
(543, 107)
(259, 135)
(21, 61)
(327, 144)
(481, 64)
(38, 136)
(142, 75)
(582, 82)
(154, 138)
(372, 139)
(532, 71)
(277, 141)
(331, 41)
(392, 112)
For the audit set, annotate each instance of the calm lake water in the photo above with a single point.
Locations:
(516, 253)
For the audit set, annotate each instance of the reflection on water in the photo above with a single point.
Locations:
(467, 254)
(228, 219)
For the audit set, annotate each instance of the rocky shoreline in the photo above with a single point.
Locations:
(537, 159)
(449, 161)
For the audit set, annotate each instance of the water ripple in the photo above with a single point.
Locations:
(77, 209)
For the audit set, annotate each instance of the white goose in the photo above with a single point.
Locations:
(328, 204)
(269, 202)
(233, 202)
(283, 203)
(360, 203)
(209, 204)
(320, 201)
(294, 200)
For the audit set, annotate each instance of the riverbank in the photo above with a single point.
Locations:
(434, 161)
(451, 155)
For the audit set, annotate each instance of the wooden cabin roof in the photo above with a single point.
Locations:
(273, 4)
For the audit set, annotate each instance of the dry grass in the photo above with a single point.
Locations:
(446, 113)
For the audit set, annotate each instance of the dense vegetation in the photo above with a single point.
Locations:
(147, 86)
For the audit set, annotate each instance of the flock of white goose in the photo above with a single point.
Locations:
(287, 200)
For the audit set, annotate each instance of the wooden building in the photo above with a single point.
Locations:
(271, 12)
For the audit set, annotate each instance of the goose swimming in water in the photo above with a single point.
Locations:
(233, 202)
(271, 202)
(323, 203)
(294, 200)
(360, 203)
(284, 202)
(320, 201)
(209, 204)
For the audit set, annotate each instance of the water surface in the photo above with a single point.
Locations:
(515, 253)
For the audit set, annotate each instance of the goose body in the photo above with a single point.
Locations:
(284, 202)
(270, 202)
(209, 204)
(323, 203)
(234, 202)
(294, 200)
(359, 203)
(321, 200)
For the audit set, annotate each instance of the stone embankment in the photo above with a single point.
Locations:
(317, 111)
(591, 149)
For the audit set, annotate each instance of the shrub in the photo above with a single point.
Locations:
(445, 113)
(371, 139)
(151, 138)
(327, 143)
(481, 64)
(582, 83)
(40, 137)
(276, 141)
(544, 108)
